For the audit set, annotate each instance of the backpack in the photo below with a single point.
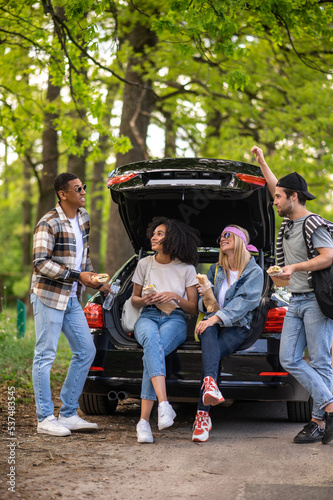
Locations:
(322, 280)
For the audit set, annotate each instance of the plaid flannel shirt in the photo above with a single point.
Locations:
(54, 257)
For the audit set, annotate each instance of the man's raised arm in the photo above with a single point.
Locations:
(267, 173)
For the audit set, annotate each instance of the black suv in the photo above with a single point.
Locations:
(207, 194)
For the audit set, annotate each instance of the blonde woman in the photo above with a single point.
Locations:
(238, 283)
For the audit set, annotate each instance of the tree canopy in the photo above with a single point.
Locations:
(214, 77)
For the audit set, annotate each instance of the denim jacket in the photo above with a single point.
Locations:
(241, 298)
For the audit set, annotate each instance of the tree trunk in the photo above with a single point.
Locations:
(77, 164)
(49, 156)
(26, 217)
(170, 136)
(138, 104)
(98, 186)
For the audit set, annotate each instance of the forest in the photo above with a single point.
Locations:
(87, 86)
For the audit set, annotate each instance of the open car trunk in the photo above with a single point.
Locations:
(207, 194)
(119, 338)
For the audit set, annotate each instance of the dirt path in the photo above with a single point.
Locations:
(249, 457)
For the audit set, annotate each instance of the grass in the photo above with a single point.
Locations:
(16, 356)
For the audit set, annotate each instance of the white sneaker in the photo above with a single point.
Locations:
(166, 415)
(50, 425)
(201, 427)
(76, 423)
(143, 432)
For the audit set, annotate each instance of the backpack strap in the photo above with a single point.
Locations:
(279, 243)
(310, 224)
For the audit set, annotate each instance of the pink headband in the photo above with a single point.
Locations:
(242, 236)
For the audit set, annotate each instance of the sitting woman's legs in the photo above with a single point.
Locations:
(217, 343)
(159, 335)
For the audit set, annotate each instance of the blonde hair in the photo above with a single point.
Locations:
(241, 254)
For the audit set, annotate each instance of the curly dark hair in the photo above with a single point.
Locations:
(180, 242)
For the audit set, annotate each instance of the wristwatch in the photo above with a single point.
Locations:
(177, 301)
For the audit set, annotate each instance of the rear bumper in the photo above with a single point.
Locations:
(274, 389)
(120, 370)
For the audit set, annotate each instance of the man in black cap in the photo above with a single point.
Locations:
(304, 325)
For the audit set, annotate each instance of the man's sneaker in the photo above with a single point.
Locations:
(143, 432)
(211, 394)
(76, 423)
(328, 433)
(50, 425)
(311, 433)
(202, 425)
(166, 415)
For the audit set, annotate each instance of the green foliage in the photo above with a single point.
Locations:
(227, 73)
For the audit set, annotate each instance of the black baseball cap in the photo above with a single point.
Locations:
(295, 182)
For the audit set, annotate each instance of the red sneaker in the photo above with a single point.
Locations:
(211, 395)
(202, 425)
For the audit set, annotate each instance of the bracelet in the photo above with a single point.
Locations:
(178, 301)
(99, 286)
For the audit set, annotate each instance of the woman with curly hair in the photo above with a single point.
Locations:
(237, 283)
(158, 330)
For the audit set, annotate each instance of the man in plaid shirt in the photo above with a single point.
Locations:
(62, 268)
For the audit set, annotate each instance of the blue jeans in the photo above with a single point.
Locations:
(306, 326)
(159, 335)
(216, 344)
(49, 323)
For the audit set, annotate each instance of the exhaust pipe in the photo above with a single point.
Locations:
(122, 395)
(112, 396)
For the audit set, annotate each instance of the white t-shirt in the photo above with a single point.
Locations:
(173, 277)
(79, 250)
(233, 276)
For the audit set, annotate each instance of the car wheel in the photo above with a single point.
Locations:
(97, 404)
(299, 411)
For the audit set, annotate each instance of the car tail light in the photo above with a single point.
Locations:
(96, 369)
(274, 374)
(94, 315)
(274, 320)
(118, 179)
(252, 179)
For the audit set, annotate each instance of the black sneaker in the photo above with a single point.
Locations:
(328, 434)
(311, 433)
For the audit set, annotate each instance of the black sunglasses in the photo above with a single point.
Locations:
(288, 229)
(78, 189)
(225, 235)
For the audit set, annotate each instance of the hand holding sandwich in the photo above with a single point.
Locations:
(166, 301)
(97, 281)
(280, 275)
(205, 289)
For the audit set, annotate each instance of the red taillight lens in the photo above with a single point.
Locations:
(94, 315)
(274, 320)
(252, 179)
(273, 374)
(118, 179)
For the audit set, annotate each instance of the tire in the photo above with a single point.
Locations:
(97, 404)
(299, 411)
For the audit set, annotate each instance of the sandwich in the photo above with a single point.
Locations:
(203, 280)
(274, 270)
(207, 293)
(149, 289)
(100, 278)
